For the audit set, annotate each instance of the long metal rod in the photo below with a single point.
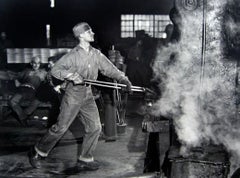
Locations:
(138, 89)
(117, 86)
(203, 54)
(110, 83)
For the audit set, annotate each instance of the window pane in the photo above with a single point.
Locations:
(154, 25)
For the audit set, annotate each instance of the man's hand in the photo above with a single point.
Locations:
(75, 78)
(128, 85)
(57, 88)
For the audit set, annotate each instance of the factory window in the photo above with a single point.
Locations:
(153, 25)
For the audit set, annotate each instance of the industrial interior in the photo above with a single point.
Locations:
(180, 117)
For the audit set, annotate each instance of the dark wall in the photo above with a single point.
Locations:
(25, 20)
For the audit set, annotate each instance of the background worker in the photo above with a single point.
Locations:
(30, 80)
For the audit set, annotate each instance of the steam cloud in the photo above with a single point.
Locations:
(200, 95)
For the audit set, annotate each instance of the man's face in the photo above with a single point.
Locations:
(50, 64)
(36, 64)
(88, 35)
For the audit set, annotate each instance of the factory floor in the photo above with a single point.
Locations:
(122, 158)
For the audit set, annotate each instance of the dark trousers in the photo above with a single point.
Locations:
(24, 95)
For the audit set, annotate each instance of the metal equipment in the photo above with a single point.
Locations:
(116, 85)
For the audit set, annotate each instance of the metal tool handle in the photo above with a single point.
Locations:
(112, 85)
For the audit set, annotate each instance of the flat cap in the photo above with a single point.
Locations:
(80, 28)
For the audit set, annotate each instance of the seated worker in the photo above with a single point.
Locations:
(30, 80)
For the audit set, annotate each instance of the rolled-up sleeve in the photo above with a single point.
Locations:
(63, 67)
(108, 69)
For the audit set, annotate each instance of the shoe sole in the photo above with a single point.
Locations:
(86, 168)
(83, 166)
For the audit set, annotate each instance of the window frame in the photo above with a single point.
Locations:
(153, 24)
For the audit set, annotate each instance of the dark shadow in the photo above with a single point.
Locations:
(152, 161)
(72, 171)
(236, 174)
(136, 124)
(68, 170)
(17, 169)
(7, 150)
(231, 36)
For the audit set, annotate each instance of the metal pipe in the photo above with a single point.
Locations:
(117, 86)
(113, 85)
(203, 55)
(110, 83)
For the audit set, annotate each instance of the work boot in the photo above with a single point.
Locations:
(87, 166)
(35, 158)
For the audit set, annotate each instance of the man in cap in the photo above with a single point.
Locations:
(82, 62)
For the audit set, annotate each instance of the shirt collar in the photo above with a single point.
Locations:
(80, 48)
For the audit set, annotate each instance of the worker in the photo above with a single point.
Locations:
(30, 80)
(82, 62)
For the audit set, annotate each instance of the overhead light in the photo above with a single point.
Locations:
(48, 34)
(52, 3)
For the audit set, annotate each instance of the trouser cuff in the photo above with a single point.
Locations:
(90, 159)
(40, 152)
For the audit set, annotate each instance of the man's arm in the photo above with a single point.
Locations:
(65, 69)
(108, 69)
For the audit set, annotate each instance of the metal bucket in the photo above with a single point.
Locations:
(121, 128)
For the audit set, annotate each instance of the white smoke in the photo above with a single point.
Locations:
(199, 95)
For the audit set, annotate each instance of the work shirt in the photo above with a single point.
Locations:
(78, 100)
(86, 64)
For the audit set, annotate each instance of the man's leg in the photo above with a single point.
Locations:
(67, 114)
(32, 107)
(89, 116)
(15, 105)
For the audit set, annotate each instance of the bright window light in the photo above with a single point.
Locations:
(153, 25)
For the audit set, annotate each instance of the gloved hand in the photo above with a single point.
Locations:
(128, 85)
(75, 78)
